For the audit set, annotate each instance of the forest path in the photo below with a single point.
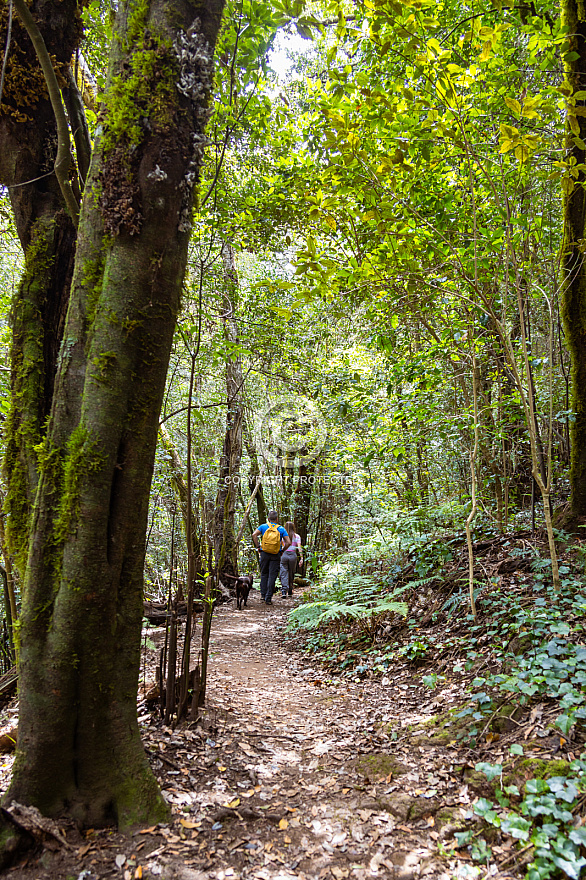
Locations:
(300, 776)
(289, 775)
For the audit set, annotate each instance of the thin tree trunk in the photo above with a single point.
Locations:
(254, 473)
(303, 493)
(177, 471)
(472, 514)
(573, 270)
(226, 548)
(246, 513)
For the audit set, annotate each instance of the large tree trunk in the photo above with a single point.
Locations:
(79, 748)
(573, 301)
(226, 549)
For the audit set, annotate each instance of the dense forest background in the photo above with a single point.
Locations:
(378, 255)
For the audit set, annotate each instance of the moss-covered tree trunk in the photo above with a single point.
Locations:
(573, 303)
(28, 144)
(79, 749)
(226, 549)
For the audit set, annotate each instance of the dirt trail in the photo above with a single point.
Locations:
(289, 775)
(314, 783)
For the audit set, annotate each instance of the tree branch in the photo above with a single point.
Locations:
(81, 134)
(64, 159)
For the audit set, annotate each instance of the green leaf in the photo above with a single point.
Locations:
(564, 723)
(491, 771)
(578, 836)
(574, 124)
(513, 105)
(516, 826)
(304, 31)
(571, 868)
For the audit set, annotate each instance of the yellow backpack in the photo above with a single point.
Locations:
(271, 540)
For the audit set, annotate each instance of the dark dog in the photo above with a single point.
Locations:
(243, 588)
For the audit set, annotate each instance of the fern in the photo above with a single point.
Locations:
(312, 615)
(422, 582)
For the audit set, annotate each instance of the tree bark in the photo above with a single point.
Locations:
(226, 548)
(28, 148)
(177, 471)
(254, 473)
(79, 749)
(303, 492)
(573, 271)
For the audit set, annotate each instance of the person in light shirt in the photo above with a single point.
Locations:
(288, 565)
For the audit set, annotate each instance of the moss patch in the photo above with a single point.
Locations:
(536, 768)
(378, 766)
(441, 730)
(478, 782)
(422, 807)
(448, 820)
(502, 721)
(24, 427)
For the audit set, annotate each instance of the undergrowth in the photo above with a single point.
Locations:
(525, 648)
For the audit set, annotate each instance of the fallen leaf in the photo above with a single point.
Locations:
(138, 873)
(283, 825)
(187, 823)
(233, 804)
(120, 860)
(151, 830)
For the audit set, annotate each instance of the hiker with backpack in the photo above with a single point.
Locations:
(274, 539)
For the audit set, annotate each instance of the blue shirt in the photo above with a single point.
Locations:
(262, 529)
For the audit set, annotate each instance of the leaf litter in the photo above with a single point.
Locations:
(289, 774)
